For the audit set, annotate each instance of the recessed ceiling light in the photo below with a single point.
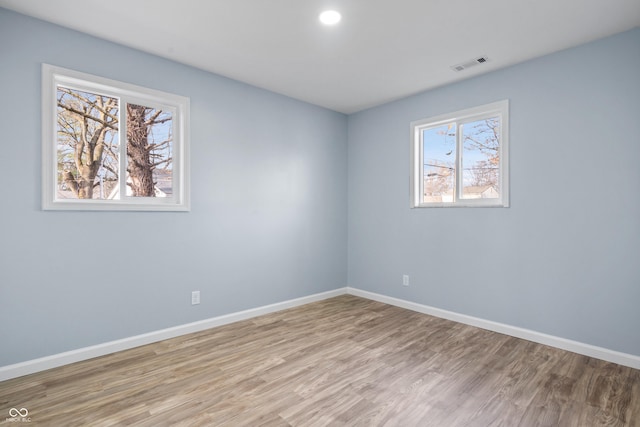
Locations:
(330, 17)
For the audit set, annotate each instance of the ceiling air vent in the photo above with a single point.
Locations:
(469, 64)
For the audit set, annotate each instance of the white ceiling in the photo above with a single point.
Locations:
(381, 50)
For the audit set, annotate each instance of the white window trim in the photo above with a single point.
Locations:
(53, 76)
(501, 109)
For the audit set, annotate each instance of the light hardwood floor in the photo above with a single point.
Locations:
(343, 361)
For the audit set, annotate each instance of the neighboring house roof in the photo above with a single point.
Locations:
(478, 189)
(163, 186)
(471, 192)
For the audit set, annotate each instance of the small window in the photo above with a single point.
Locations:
(461, 159)
(109, 145)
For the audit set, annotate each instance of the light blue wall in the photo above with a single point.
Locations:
(268, 220)
(564, 259)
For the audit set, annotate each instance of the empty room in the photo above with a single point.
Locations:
(320, 213)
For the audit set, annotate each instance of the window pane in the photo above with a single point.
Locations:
(439, 163)
(149, 152)
(481, 159)
(87, 145)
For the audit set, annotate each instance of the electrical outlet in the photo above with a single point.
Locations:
(405, 280)
(195, 297)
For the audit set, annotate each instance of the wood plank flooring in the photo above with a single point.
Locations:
(345, 361)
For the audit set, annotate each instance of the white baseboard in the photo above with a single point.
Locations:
(550, 340)
(53, 361)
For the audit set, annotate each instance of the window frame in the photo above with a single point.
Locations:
(496, 109)
(52, 77)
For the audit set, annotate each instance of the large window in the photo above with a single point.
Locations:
(461, 159)
(109, 145)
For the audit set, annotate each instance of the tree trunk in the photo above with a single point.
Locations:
(82, 186)
(139, 165)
